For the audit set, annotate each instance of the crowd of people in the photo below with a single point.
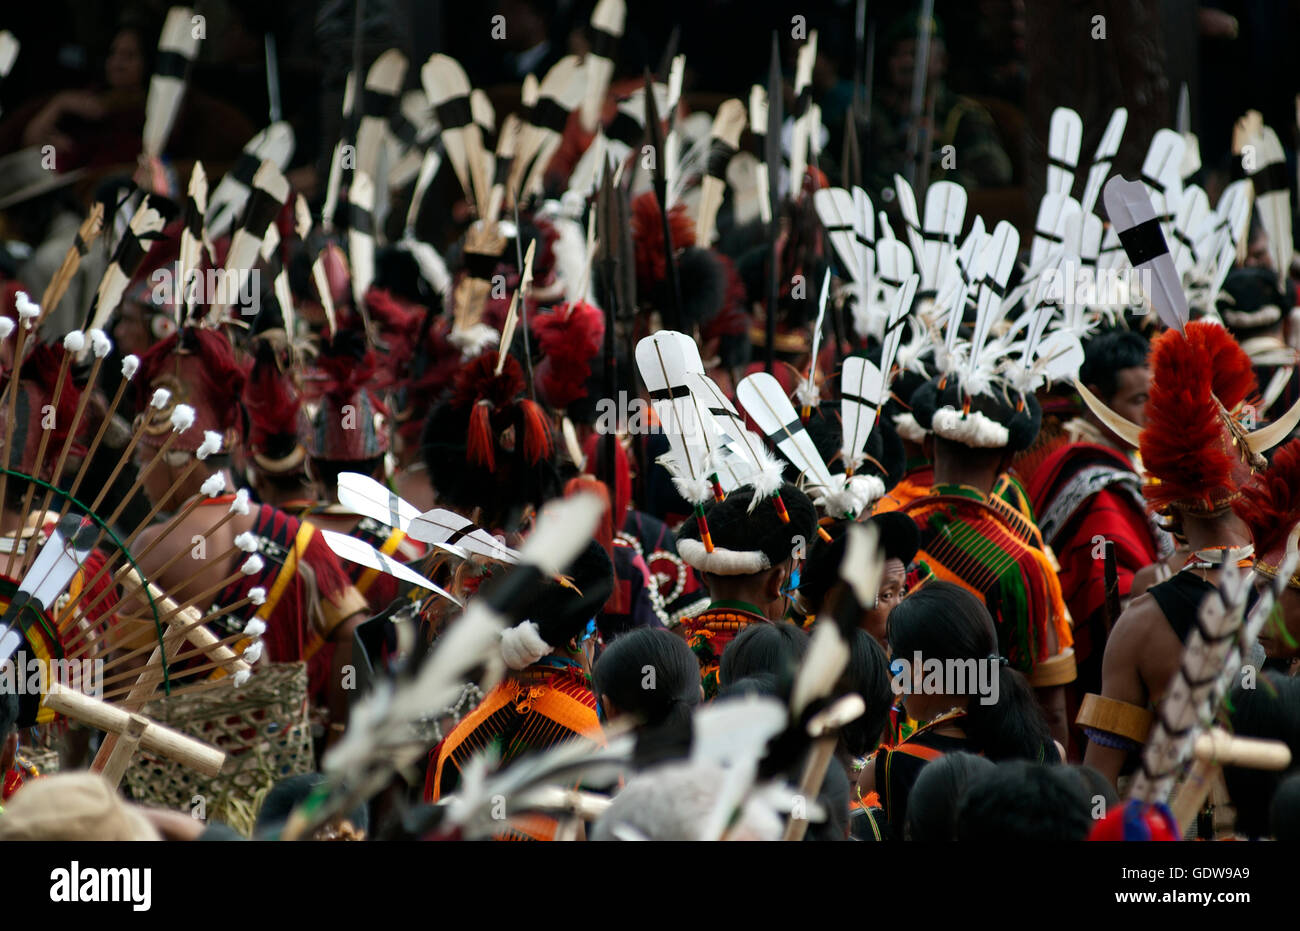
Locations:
(600, 469)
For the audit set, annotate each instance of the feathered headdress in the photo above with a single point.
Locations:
(351, 422)
(1194, 446)
(487, 446)
(274, 414)
(1270, 506)
(196, 367)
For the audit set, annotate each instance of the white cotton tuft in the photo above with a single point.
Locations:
(6, 328)
(246, 542)
(253, 652)
(252, 565)
(970, 429)
(808, 392)
(242, 677)
(214, 485)
(257, 595)
(74, 341)
(28, 309)
(255, 628)
(522, 645)
(240, 504)
(210, 446)
(182, 418)
(130, 365)
(160, 399)
(471, 341)
(909, 429)
(770, 476)
(100, 344)
(694, 490)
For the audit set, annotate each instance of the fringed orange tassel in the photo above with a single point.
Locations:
(479, 447)
(537, 432)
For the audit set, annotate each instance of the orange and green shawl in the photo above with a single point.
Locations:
(533, 709)
(996, 554)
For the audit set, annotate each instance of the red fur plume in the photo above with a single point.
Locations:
(398, 324)
(1231, 372)
(537, 432)
(1186, 446)
(570, 336)
(216, 377)
(476, 381)
(340, 377)
(271, 401)
(479, 446)
(648, 238)
(1270, 503)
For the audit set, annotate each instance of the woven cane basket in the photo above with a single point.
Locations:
(264, 730)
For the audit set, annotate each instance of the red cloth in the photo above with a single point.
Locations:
(1112, 516)
(1111, 513)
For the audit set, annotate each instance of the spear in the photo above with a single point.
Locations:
(772, 147)
(672, 319)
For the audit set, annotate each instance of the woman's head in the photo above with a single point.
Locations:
(946, 624)
(942, 621)
(933, 800)
(775, 649)
(648, 673)
(867, 674)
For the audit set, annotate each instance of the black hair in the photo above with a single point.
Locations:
(1284, 813)
(1109, 353)
(622, 670)
(1022, 801)
(771, 648)
(664, 706)
(868, 675)
(758, 683)
(1271, 711)
(933, 799)
(945, 621)
(1095, 784)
